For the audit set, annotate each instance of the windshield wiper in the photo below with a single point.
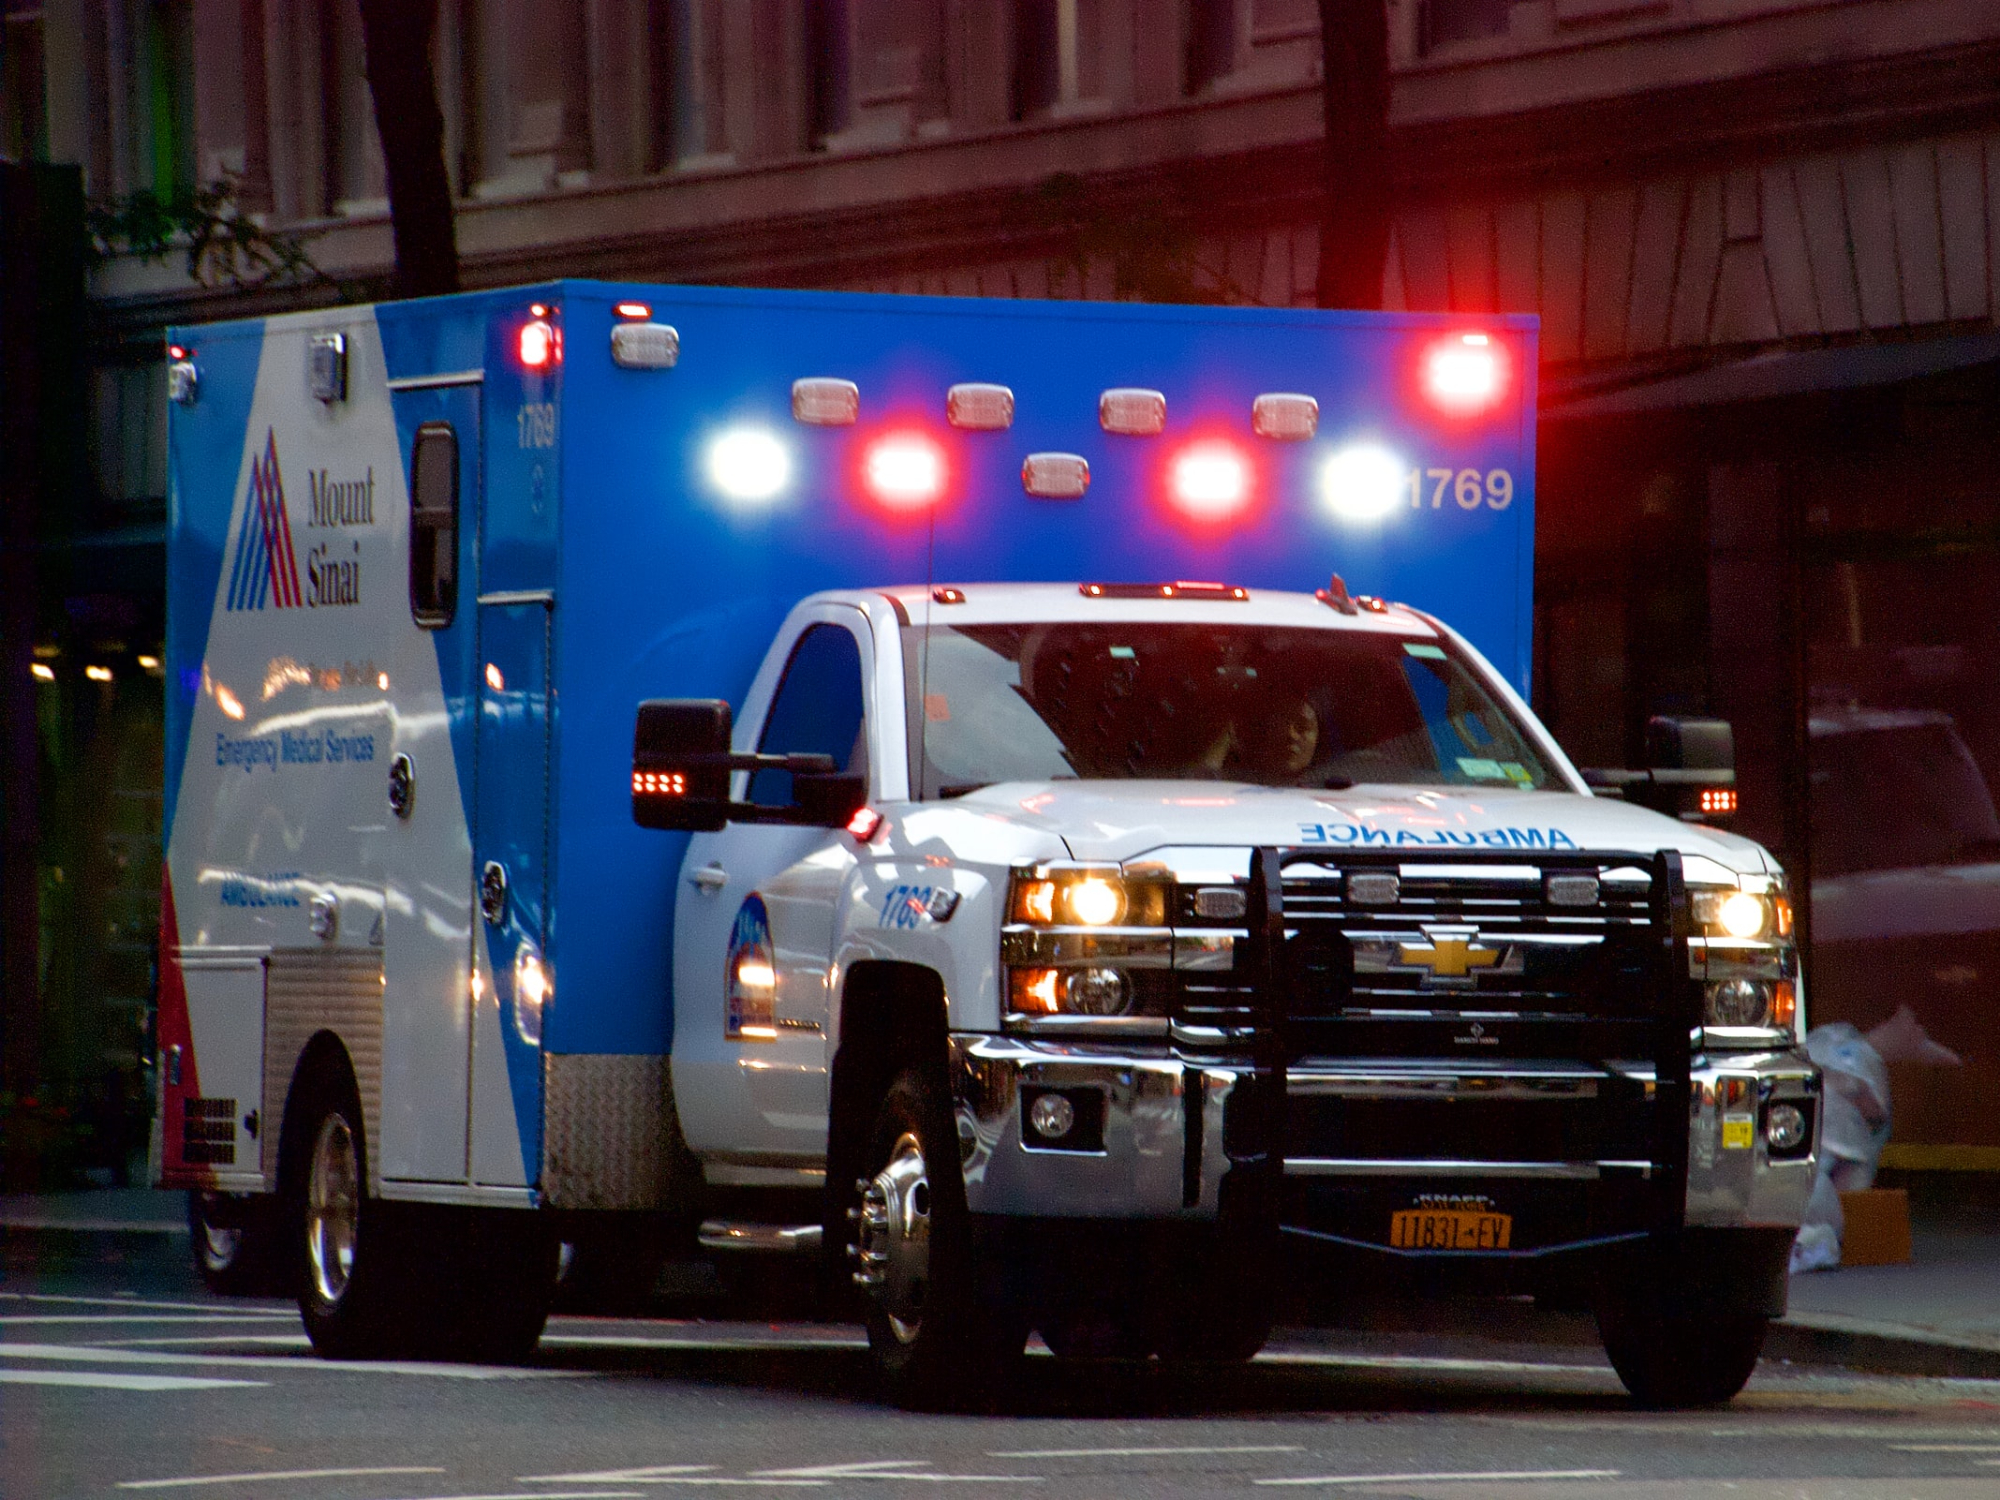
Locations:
(961, 788)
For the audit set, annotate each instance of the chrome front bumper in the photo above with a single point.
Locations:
(1160, 1159)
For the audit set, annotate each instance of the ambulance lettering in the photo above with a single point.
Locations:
(1360, 835)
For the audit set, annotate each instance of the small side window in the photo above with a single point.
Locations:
(817, 711)
(434, 525)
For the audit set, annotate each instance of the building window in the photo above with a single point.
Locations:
(1213, 33)
(878, 74)
(1443, 22)
(356, 180)
(689, 81)
(24, 133)
(1058, 51)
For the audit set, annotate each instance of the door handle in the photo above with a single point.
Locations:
(709, 879)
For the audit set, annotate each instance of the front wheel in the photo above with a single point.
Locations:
(934, 1341)
(1672, 1355)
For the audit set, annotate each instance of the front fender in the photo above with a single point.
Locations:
(901, 911)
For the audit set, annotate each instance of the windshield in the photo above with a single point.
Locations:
(1058, 700)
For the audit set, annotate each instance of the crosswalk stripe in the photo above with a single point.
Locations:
(101, 1354)
(190, 1481)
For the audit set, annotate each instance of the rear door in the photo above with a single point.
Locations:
(425, 839)
(511, 859)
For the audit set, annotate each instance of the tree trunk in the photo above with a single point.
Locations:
(1354, 164)
(396, 36)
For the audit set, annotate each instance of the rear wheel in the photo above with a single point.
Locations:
(230, 1236)
(339, 1233)
(935, 1342)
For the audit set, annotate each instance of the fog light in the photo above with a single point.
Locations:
(1738, 1002)
(1052, 1116)
(1095, 992)
(1785, 1127)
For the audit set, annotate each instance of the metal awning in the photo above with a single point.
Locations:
(1800, 372)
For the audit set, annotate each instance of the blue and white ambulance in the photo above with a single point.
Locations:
(903, 784)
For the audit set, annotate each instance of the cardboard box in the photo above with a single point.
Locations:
(1878, 1228)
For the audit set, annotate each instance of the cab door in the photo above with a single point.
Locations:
(751, 1050)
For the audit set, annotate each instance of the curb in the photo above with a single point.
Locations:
(27, 1224)
(1834, 1341)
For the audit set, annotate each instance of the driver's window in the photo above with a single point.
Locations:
(817, 711)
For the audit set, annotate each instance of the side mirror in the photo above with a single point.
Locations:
(681, 763)
(680, 775)
(1693, 771)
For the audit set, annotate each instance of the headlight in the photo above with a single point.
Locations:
(1085, 897)
(1097, 990)
(1735, 914)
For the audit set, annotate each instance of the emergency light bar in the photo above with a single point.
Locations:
(1180, 589)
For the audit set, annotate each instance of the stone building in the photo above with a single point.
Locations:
(1760, 235)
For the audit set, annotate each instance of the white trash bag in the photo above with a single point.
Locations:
(1856, 1102)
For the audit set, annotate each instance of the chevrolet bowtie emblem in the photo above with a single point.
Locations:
(1448, 957)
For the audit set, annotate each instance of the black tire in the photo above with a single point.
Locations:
(1671, 1354)
(230, 1238)
(339, 1237)
(936, 1341)
(498, 1272)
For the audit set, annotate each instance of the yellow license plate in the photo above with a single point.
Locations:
(1449, 1229)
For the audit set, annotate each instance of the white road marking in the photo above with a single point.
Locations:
(106, 1381)
(112, 1301)
(272, 1340)
(547, 1495)
(189, 1481)
(1488, 1475)
(146, 1317)
(1945, 1447)
(1145, 1452)
(615, 1476)
(912, 1469)
(1425, 1362)
(99, 1354)
(640, 1341)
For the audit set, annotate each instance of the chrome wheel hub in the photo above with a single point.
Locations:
(892, 1241)
(333, 1209)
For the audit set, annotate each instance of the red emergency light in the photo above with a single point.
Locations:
(1465, 374)
(540, 345)
(904, 471)
(1210, 481)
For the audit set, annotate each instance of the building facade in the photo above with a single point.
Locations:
(1763, 237)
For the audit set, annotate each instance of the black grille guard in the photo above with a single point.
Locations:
(1673, 1003)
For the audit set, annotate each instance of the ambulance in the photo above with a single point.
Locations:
(1026, 812)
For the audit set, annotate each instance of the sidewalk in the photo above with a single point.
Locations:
(97, 1211)
(1938, 1315)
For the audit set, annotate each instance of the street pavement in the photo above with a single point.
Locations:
(121, 1378)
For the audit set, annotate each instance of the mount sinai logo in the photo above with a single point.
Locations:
(264, 566)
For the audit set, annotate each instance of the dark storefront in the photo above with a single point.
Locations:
(1809, 546)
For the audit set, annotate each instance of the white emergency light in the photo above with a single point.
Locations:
(1284, 416)
(1055, 476)
(1362, 482)
(979, 408)
(748, 463)
(645, 346)
(1132, 412)
(821, 401)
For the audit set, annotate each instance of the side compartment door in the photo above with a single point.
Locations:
(511, 856)
(430, 912)
(753, 932)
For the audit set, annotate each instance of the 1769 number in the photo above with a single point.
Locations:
(1469, 489)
